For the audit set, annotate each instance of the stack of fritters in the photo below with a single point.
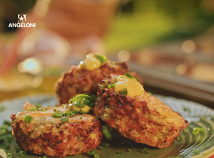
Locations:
(81, 81)
(142, 118)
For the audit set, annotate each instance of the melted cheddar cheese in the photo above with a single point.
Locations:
(133, 87)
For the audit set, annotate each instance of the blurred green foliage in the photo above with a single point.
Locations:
(141, 23)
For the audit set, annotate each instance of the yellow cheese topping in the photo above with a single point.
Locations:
(90, 63)
(85, 109)
(35, 114)
(131, 84)
(51, 111)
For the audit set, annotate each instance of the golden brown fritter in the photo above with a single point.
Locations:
(78, 81)
(142, 118)
(46, 135)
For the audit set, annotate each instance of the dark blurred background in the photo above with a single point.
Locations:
(9, 10)
(138, 23)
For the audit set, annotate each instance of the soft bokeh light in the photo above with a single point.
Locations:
(30, 65)
(181, 69)
(189, 59)
(188, 46)
(203, 72)
(123, 55)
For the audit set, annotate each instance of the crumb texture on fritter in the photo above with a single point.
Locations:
(143, 119)
(49, 136)
(80, 81)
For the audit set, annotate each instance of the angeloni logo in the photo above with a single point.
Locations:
(22, 22)
(21, 18)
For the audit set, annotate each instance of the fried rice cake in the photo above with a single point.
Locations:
(40, 133)
(85, 77)
(124, 105)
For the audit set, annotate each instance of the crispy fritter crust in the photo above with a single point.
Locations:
(143, 119)
(78, 81)
(49, 136)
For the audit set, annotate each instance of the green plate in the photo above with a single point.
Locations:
(187, 144)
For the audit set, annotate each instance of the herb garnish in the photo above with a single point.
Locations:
(149, 93)
(111, 85)
(102, 58)
(198, 130)
(124, 91)
(100, 148)
(146, 151)
(71, 113)
(43, 109)
(187, 109)
(38, 106)
(93, 153)
(17, 148)
(21, 153)
(9, 155)
(15, 119)
(28, 118)
(81, 100)
(136, 78)
(58, 114)
(65, 119)
(178, 138)
(128, 75)
(33, 109)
